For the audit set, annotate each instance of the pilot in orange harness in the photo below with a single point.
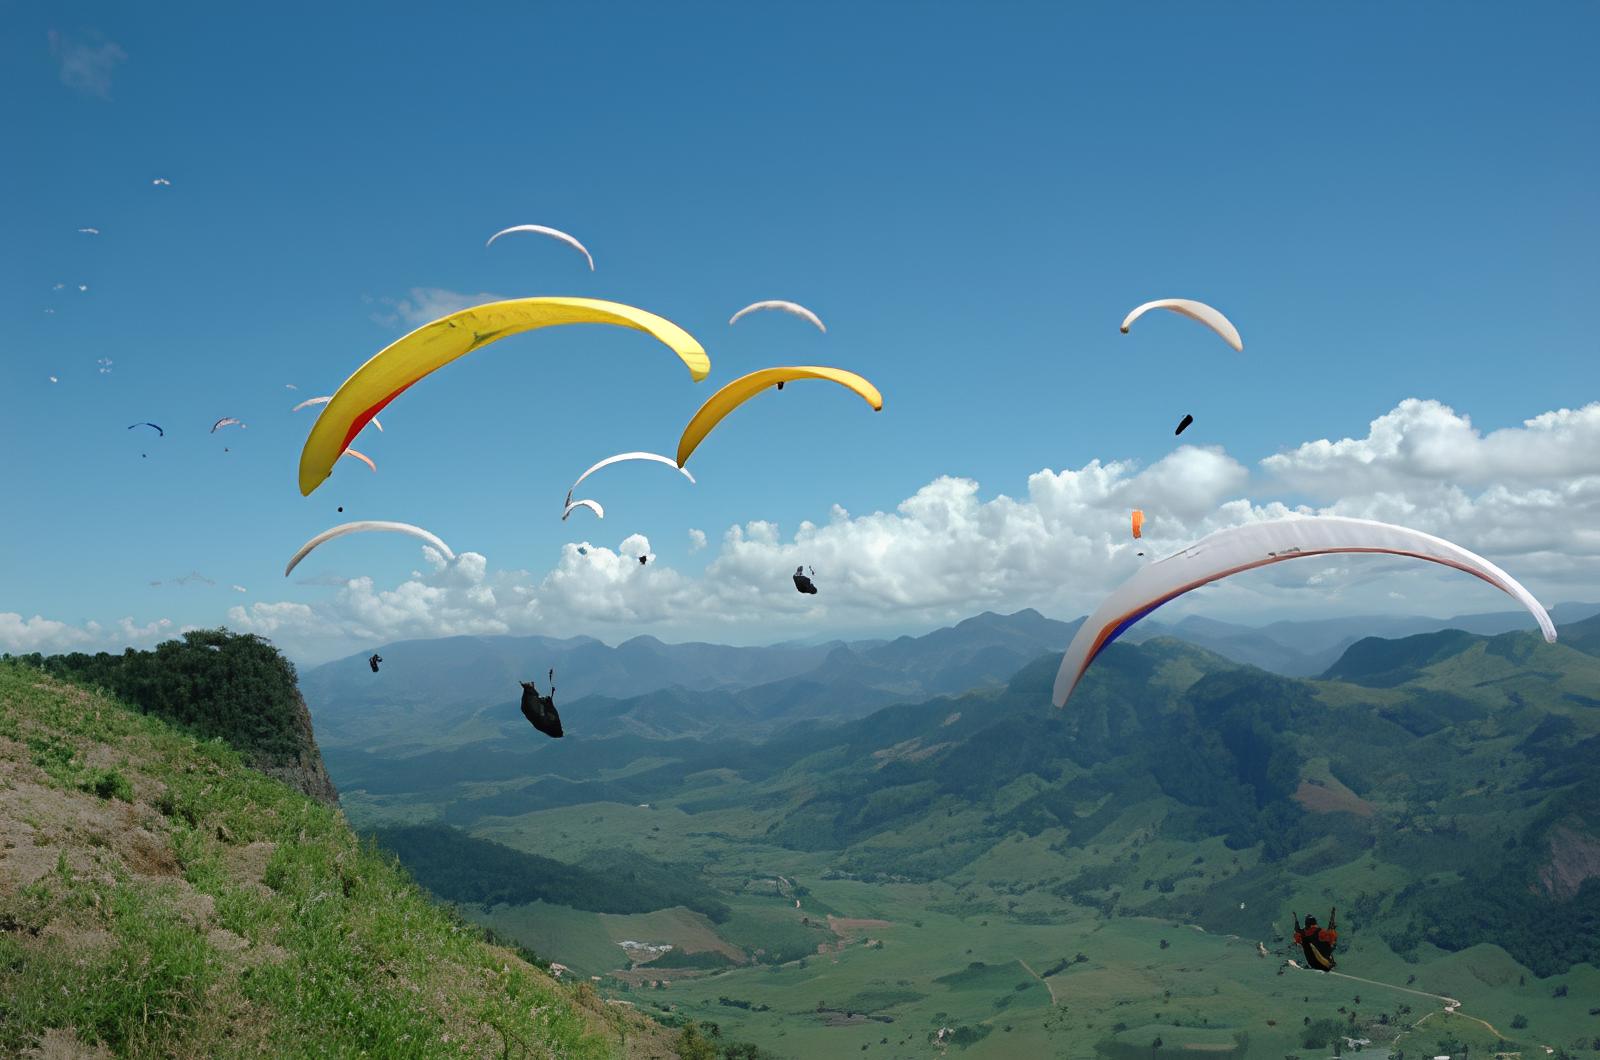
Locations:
(1318, 942)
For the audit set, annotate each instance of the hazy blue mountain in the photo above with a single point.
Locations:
(1306, 648)
(437, 690)
(458, 690)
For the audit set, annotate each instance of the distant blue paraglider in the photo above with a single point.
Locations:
(159, 431)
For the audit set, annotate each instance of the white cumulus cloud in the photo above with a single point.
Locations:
(86, 67)
(424, 304)
(951, 549)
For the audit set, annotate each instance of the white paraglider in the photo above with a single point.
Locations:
(593, 506)
(308, 402)
(1194, 311)
(365, 526)
(1242, 548)
(363, 457)
(792, 308)
(553, 233)
(619, 458)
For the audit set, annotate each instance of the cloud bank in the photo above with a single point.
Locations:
(1526, 497)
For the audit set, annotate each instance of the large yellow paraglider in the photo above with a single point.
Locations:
(746, 387)
(432, 346)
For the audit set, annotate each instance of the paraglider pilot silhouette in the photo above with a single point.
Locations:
(541, 710)
(374, 661)
(1318, 942)
(802, 583)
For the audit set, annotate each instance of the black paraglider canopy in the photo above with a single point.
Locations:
(1184, 424)
(802, 583)
(541, 710)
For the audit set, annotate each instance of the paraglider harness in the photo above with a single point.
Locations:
(804, 584)
(541, 710)
(374, 661)
(1317, 942)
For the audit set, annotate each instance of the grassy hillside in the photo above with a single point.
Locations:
(158, 898)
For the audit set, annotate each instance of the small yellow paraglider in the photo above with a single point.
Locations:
(746, 387)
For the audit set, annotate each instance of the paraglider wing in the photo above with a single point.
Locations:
(1243, 548)
(792, 308)
(323, 401)
(541, 710)
(226, 421)
(365, 526)
(554, 233)
(363, 457)
(1138, 523)
(593, 506)
(400, 364)
(159, 431)
(608, 461)
(1183, 424)
(1194, 311)
(746, 387)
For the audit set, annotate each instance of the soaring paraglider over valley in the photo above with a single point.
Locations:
(746, 387)
(1199, 311)
(1317, 942)
(553, 233)
(541, 710)
(792, 308)
(593, 506)
(368, 526)
(226, 421)
(392, 370)
(1183, 424)
(158, 430)
(1242, 548)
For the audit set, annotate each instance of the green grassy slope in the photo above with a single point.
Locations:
(157, 898)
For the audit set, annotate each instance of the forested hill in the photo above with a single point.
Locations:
(213, 683)
(158, 898)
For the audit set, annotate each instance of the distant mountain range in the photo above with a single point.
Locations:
(459, 690)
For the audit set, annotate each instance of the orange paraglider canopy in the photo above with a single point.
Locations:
(1138, 523)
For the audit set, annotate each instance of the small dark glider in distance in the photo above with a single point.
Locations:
(541, 710)
(159, 431)
(374, 661)
(804, 584)
(1183, 424)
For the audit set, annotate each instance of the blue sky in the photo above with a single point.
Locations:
(1390, 201)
